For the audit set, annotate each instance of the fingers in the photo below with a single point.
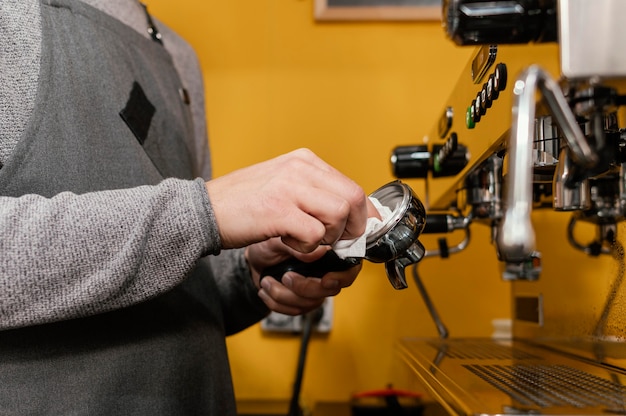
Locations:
(297, 197)
(298, 294)
(320, 217)
(280, 299)
(343, 199)
(327, 206)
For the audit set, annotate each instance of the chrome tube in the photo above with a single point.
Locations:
(516, 237)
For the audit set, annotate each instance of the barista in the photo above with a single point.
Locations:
(122, 264)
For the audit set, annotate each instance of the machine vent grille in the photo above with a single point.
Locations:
(479, 350)
(552, 385)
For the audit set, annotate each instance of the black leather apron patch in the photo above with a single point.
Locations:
(138, 113)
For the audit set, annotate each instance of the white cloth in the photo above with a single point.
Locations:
(357, 246)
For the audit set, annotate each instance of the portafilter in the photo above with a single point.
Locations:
(395, 243)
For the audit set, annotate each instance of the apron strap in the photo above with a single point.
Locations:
(152, 29)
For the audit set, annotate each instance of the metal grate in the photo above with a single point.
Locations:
(480, 350)
(552, 385)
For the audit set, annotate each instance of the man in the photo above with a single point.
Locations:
(122, 264)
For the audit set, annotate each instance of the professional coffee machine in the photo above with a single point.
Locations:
(533, 135)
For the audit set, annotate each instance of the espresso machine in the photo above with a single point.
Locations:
(531, 143)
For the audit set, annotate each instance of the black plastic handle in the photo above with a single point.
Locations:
(329, 262)
(437, 224)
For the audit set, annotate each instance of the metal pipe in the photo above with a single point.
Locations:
(441, 327)
(451, 250)
(516, 237)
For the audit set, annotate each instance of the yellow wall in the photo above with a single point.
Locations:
(277, 80)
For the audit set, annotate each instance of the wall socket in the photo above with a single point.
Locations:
(278, 322)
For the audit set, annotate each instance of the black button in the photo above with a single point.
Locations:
(500, 77)
(475, 111)
(485, 101)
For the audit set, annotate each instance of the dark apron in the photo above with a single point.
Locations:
(109, 115)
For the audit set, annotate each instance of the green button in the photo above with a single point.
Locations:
(469, 117)
(436, 164)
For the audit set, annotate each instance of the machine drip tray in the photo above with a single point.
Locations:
(495, 377)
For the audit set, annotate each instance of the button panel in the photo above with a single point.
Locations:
(490, 92)
(450, 158)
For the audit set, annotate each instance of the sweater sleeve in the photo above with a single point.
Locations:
(239, 300)
(77, 255)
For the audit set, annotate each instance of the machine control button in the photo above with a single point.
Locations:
(410, 161)
(492, 94)
(499, 77)
(486, 96)
(450, 158)
(476, 103)
(444, 152)
(469, 117)
(415, 161)
(484, 101)
(480, 104)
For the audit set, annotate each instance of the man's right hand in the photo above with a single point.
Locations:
(295, 196)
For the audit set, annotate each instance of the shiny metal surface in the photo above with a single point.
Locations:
(569, 198)
(591, 35)
(568, 354)
(396, 243)
(486, 376)
(491, 133)
(516, 237)
(547, 144)
(407, 211)
(484, 189)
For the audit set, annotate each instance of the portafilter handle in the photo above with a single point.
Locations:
(329, 262)
(396, 268)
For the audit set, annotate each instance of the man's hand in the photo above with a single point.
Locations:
(296, 196)
(296, 294)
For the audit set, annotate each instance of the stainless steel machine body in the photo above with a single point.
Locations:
(541, 124)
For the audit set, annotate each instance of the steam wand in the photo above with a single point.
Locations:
(516, 237)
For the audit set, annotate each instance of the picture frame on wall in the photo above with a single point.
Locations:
(377, 10)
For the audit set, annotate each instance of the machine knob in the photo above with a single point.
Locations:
(450, 158)
(485, 22)
(410, 162)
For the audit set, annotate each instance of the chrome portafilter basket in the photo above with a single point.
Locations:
(395, 243)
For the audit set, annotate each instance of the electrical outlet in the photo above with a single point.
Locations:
(278, 322)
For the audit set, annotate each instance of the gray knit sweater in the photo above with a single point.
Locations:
(76, 266)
